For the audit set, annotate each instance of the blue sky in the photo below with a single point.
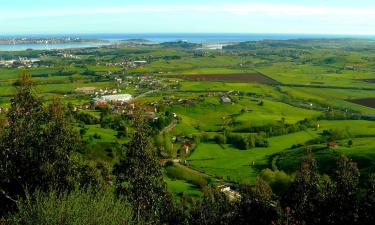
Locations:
(189, 16)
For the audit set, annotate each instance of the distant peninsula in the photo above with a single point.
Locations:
(54, 40)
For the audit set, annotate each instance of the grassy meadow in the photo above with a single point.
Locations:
(310, 78)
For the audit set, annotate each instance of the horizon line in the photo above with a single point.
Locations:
(187, 33)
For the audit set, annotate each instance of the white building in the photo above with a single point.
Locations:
(115, 98)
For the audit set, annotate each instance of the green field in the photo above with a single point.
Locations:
(312, 78)
(237, 165)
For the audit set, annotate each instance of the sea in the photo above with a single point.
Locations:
(159, 38)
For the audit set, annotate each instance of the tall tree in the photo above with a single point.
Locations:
(303, 196)
(34, 147)
(59, 141)
(139, 177)
(256, 205)
(368, 208)
(215, 208)
(343, 204)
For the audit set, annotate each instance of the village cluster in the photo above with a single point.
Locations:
(20, 62)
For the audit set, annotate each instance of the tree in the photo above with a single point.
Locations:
(214, 209)
(368, 208)
(35, 147)
(342, 205)
(59, 141)
(220, 139)
(140, 179)
(350, 143)
(256, 205)
(303, 196)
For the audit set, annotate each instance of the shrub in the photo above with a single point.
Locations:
(97, 136)
(76, 207)
(278, 180)
(219, 139)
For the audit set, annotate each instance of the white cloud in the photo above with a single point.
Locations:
(243, 9)
(245, 17)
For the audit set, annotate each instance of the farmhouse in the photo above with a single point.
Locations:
(225, 100)
(185, 148)
(151, 116)
(232, 195)
(332, 144)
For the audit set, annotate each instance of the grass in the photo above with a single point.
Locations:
(209, 115)
(362, 152)
(309, 74)
(312, 64)
(335, 97)
(354, 127)
(180, 172)
(180, 187)
(103, 148)
(273, 111)
(236, 165)
(207, 86)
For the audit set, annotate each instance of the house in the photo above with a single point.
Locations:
(151, 116)
(225, 100)
(140, 62)
(231, 194)
(332, 144)
(100, 104)
(185, 149)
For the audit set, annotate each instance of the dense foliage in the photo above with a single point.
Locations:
(76, 207)
(35, 147)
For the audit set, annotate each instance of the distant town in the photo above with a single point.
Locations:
(55, 40)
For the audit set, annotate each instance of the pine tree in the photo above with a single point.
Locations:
(140, 179)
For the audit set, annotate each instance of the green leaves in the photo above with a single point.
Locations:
(139, 177)
(35, 147)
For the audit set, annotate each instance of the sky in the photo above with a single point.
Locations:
(189, 16)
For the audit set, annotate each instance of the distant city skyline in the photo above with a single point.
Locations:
(206, 16)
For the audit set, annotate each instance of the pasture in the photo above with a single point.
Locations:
(239, 77)
(235, 165)
(268, 83)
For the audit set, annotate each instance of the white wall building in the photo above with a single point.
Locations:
(115, 98)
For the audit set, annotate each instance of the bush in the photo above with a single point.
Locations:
(278, 180)
(77, 207)
(86, 118)
(245, 142)
(219, 139)
(97, 136)
(178, 172)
